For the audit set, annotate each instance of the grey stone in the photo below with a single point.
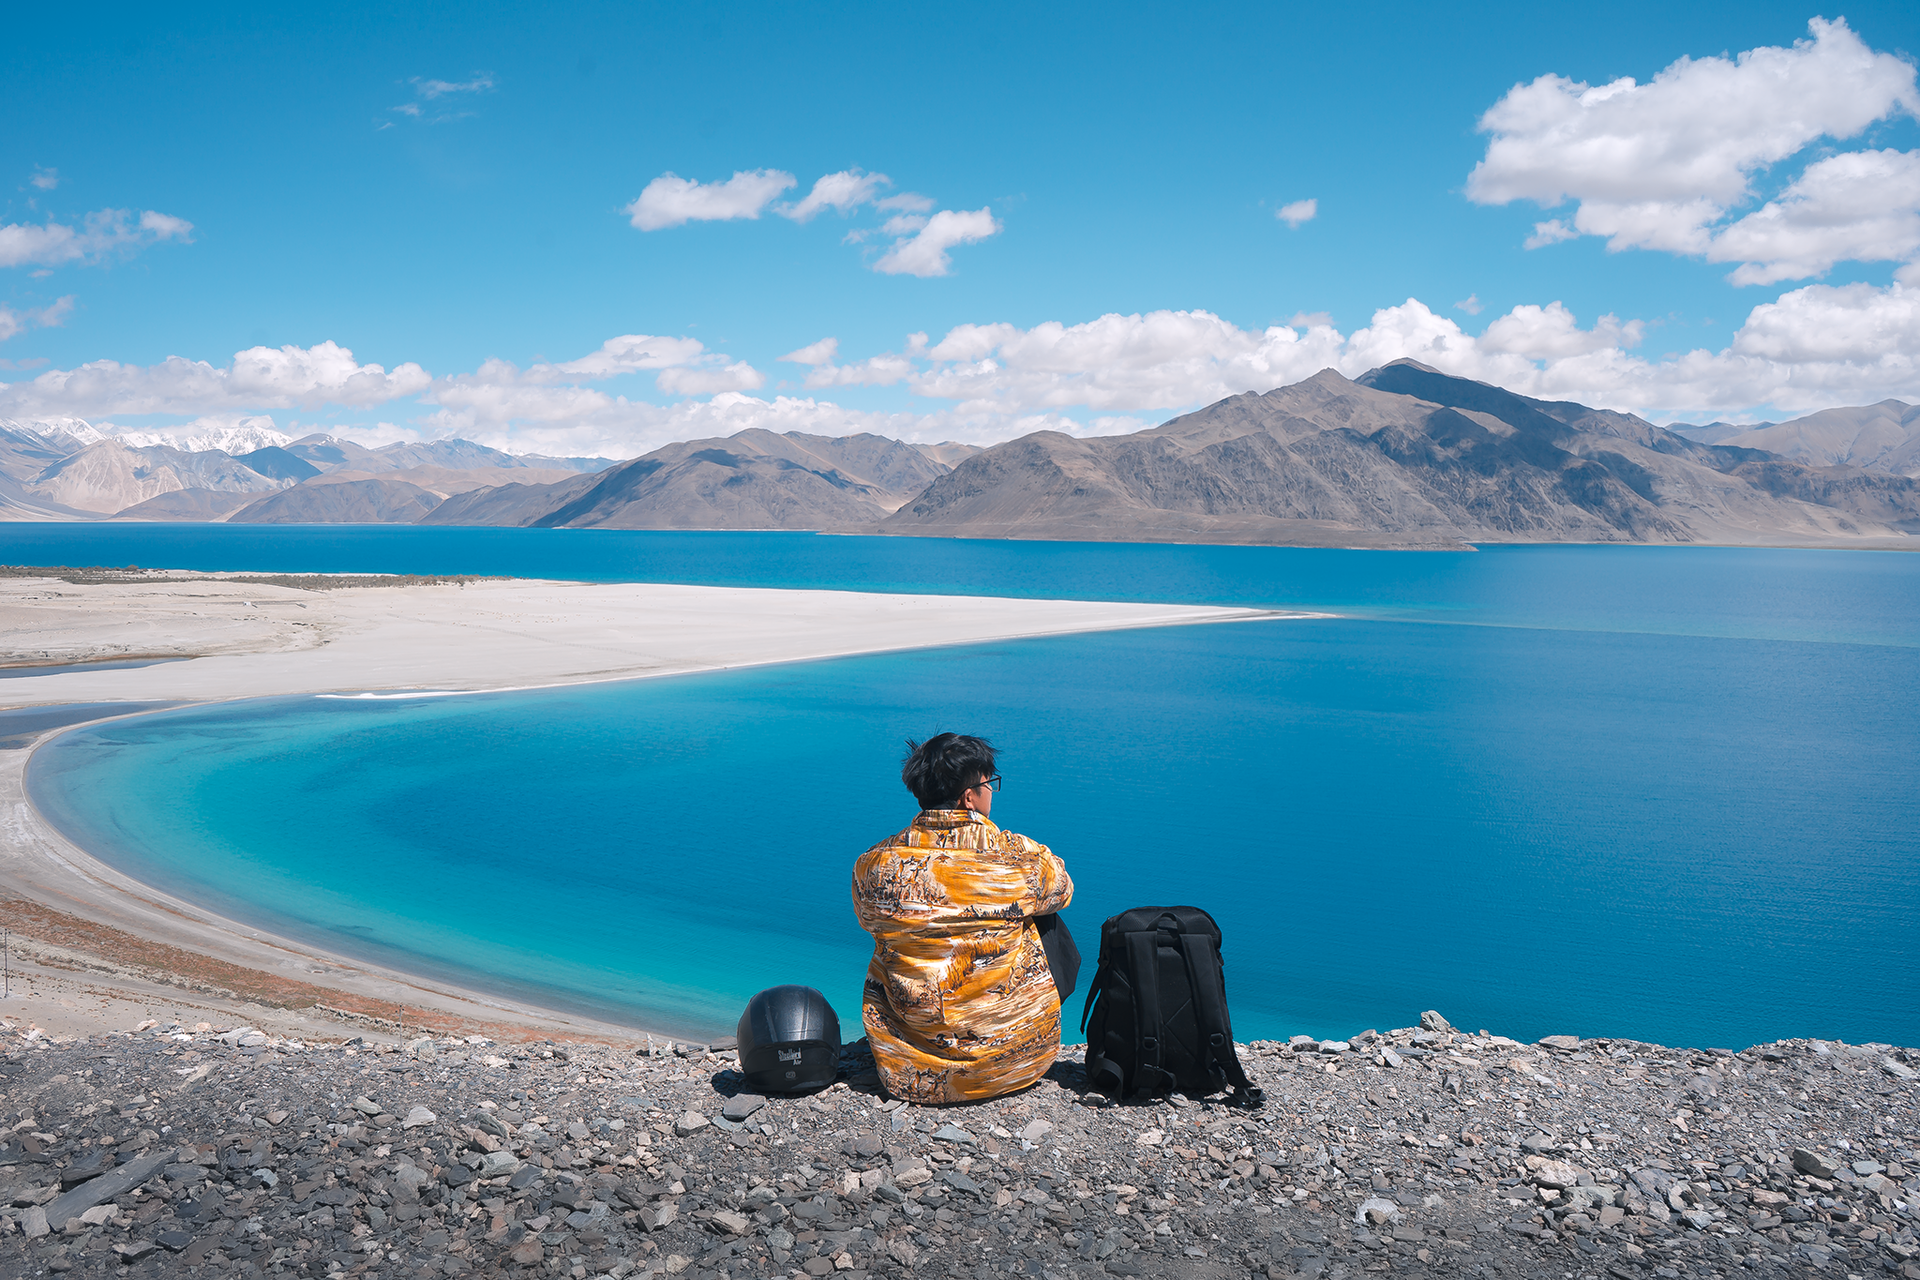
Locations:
(1432, 1021)
(495, 1164)
(742, 1105)
(1377, 1210)
(1898, 1070)
(33, 1223)
(91, 1165)
(105, 1187)
(955, 1134)
(1566, 1044)
(1036, 1130)
(1553, 1173)
(1811, 1164)
(960, 1181)
(417, 1117)
(690, 1123)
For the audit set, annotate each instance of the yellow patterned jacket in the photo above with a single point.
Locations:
(958, 1002)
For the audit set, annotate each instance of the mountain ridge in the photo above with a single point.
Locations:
(1403, 455)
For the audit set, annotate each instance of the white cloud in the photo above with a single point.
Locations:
(1298, 212)
(1862, 206)
(909, 201)
(500, 392)
(1814, 347)
(1811, 348)
(629, 353)
(738, 376)
(924, 253)
(1471, 304)
(431, 89)
(101, 235)
(875, 371)
(1659, 165)
(258, 378)
(843, 192)
(1550, 232)
(45, 179)
(670, 200)
(821, 352)
(1551, 333)
(17, 322)
(903, 224)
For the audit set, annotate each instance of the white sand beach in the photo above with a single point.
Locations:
(103, 950)
(251, 640)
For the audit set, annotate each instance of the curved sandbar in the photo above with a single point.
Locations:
(252, 640)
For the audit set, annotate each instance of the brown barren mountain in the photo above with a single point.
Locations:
(1877, 437)
(753, 480)
(1404, 456)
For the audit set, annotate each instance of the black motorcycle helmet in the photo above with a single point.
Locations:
(789, 1041)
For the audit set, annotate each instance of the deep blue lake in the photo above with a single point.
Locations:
(1662, 793)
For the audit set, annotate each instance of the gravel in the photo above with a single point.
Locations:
(225, 1151)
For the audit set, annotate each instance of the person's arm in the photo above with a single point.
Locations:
(1052, 886)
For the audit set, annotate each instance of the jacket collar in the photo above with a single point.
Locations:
(949, 819)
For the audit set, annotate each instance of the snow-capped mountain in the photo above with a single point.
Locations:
(243, 435)
(71, 433)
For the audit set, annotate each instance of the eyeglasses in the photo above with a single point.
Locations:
(991, 784)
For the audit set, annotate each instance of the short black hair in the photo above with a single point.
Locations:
(943, 766)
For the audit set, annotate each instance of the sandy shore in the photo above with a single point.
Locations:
(95, 950)
(250, 640)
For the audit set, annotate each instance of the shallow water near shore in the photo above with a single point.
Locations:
(1661, 794)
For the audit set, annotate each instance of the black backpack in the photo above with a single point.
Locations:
(1156, 1013)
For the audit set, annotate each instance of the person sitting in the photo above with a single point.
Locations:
(959, 1004)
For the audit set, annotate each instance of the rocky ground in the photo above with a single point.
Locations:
(223, 1151)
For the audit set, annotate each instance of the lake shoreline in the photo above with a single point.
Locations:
(249, 640)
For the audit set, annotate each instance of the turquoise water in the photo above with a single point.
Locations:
(1873, 597)
(1663, 794)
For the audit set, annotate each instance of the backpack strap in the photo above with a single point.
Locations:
(1210, 1001)
(1149, 1027)
(1094, 991)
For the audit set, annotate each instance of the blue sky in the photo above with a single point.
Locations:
(458, 184)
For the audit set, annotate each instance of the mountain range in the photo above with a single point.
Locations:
(1403, 456)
